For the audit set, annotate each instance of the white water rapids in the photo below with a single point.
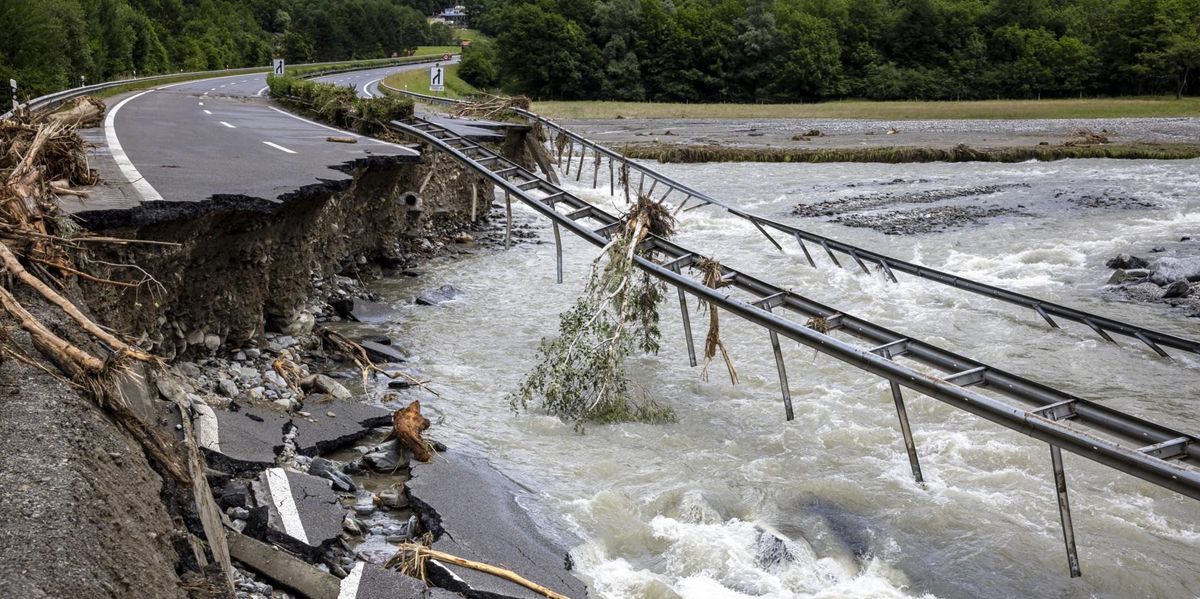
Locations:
(676, 510)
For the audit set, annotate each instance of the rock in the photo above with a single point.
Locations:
(235, 494)
(238, 513)
(383, 353)
(212, 342)
(374, 312)
(1126, 262)
(172, 390)
(286, 341)
(393, 499)
(440, 295)
(1185, 238)
(190, 369)
(253, 353)
(350, 525)
(333, 471)
(1178, 289)
(328, 386)
(343, 307)
(227, 388)
(364, 503)
(1158, 249)
(386, 457)
(1164, 271)
(195, 337)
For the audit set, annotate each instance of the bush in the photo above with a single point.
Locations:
(340, 105)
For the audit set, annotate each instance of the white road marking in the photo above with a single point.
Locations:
(128, 170)
(212, 89)
(349, 586)
(202, 103)
(279, 147)
(135, 178)
(206, 427)
(367, 87)
(263, 91)
(281, 496)
(228, 125)
(207, 112)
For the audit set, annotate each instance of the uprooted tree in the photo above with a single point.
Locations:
(580, 375)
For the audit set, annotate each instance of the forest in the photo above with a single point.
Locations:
(48, 45)
(655, 50)
(812, 50)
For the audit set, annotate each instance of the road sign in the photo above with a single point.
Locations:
(437, 79)
(277, 68)
(13, 84)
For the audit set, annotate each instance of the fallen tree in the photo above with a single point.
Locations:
(580, 375)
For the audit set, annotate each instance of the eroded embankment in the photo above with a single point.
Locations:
(85, 512)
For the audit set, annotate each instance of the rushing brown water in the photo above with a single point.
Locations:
(675, 510)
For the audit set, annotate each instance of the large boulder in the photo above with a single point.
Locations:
(1165, 271)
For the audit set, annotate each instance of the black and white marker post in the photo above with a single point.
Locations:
(13, 84)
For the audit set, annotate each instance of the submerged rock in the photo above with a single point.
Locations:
(1178, 289)
(1127, 262)
(440, 295)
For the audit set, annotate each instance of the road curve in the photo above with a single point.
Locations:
(222, 137)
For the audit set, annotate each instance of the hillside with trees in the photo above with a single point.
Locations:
(810, 50)
(49, 44)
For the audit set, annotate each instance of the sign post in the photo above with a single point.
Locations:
(277, 67)
(437, 78)
(13, 84)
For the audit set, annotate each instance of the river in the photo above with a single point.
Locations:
(675, 510)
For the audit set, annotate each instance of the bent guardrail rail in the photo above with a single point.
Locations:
(1101, 325)
(1147, 450)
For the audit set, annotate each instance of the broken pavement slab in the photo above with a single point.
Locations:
(350, 421)
(248, 439)
(472, 509)
(303, 512)
(368, 581)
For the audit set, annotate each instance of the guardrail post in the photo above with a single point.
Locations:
(582, 157)
(508, 221)
(596, 171)
(1064, 511)
(558, 252)
(612, 181)
(782, 369)
(687, 324)
(909, 445)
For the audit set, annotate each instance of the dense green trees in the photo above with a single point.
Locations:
(49, 44)
(803, 50)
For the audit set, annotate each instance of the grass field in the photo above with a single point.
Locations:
(418, 81)
(426, 50)
(857, 109)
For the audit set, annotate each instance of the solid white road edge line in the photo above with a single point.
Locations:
(135, 178)
(279, 147)
(281, 496)
(263, 91)
(349, 586)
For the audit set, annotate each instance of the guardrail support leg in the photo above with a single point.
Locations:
(687, 326)
(909, 445)
(596, 171)
(1064, 511)
(570, 156)
(612, 179)
(783, 382)
(582, 157)
(508, 220)
(474, 200)
(808, 256)
(558, 251)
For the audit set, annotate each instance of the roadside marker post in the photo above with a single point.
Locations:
(437, 78)
(13, 84)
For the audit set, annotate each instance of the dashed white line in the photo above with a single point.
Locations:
(279, 147)
(207, 112)
(202, 103)
(228, 125)
(281, 496)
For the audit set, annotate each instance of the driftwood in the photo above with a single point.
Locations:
(87, 112)
(713, 278)
(407, 425)
(411, 558)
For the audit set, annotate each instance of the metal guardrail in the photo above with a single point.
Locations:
(57, 98)
(1121, 441)
(1047, 310)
